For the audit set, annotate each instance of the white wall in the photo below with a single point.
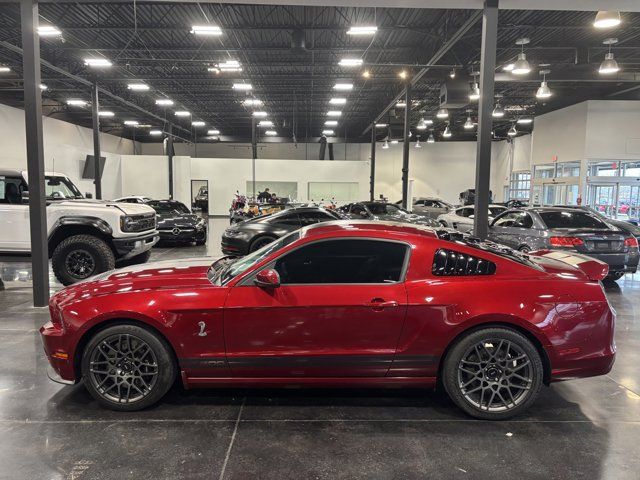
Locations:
(613, 130)
(560, 135)
(65, 149)
(145, 175)
(226, 175)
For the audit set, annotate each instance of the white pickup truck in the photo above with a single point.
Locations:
(85, 237)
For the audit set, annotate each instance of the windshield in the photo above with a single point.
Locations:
(221, 276)
(495, 211)
(572, 219)
(169, 207)
(60, 187)
(383, 209)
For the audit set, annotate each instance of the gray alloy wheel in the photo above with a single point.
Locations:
(127, 367)
(493, 373)
(260, 242)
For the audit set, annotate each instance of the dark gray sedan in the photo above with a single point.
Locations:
(384, 211)
(567, 229)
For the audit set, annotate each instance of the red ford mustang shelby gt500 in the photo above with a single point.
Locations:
(340, 303)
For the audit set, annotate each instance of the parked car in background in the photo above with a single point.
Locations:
(201, 200)
(133, 199)
(383, 211)
(251, 235)
(340, 304)
(177, 224)
(462, 217)
(628, 226)
(84, 237)
(567, 230)
(429, 206)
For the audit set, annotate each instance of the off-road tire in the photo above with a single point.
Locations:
(100, 253)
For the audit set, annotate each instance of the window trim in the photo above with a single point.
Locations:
(248, 280)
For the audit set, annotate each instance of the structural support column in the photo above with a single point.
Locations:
(254, 156)
(372, 177)
(35, 152)
(405, 147)
(485, 122)
(96, 140)
(170, 156)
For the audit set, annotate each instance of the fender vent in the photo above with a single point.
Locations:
(447, 263)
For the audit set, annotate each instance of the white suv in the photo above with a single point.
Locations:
(86, 237)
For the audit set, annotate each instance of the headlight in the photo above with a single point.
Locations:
(232, 233)
(127, 223)
(201, 224)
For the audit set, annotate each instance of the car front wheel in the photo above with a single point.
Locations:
(81, 256)
(127, 367)
(493, 373)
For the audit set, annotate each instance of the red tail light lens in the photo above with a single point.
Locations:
(565, 241)
(631, 242)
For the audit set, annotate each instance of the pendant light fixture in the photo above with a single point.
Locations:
(474, 94)
(544, 91)
(468, 125)
(431, 139)
(521, 65)
(443, 113)
(447, 132)
(418, 142)
(512, 131)
(607, 19)
(385, 145)
(609, 64)
(498, 111)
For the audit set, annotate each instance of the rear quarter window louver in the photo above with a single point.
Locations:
(448, 263)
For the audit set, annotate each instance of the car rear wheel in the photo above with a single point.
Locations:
(493, 373)
(127, 367)
(260, 242)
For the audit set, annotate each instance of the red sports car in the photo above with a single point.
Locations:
(349, 304)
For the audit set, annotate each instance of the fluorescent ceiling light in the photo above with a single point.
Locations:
(343, 86)
(271, 133)
(4, 69)
(206, 30)
(228, 66)
(350, 62)
(215, 131)
(328, 132)
(363, 30)
(421, 126)
(105, 113)
(97, 62)
(260, 114)
(242, 86)
(331, 123)
(525, 121)
(265, 123)
(76, 103)
(394, 142)
(381, 125)
(442, 113)
(164, 102)
(155, 132)
(426, 121)
(252, 102)
(198, 123)
(182, 113)
(48, 31)
(138, 87)
(401, 104)
(43, 87)
(338, 101)
(131, 122)
(607, 19)
(334, 113)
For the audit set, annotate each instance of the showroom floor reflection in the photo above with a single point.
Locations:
(581, 429)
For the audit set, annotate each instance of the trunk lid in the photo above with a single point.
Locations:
(594, 241)
(570, 265)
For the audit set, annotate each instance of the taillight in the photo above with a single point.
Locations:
(565, 241)
(631, 242)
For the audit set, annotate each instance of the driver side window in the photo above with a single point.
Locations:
(352, 261)
(506, 220)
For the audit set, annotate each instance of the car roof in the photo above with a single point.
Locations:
(377, 229)
(11, 172)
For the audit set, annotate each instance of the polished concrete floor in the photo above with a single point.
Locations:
(584, 429)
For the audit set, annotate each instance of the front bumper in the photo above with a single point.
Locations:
(183, 235)
(129, 247)
(56, 348)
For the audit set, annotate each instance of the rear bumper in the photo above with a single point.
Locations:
(131, 246)
(585, 367)
(55, 342)
(618, 262)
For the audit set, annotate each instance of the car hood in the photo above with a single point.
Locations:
(124, 207)
(186, 273)
(173, 220)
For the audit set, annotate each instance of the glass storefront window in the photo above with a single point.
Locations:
(544, 171)
(569, 169)
(630, 169)
(603, 169)
(520, 185)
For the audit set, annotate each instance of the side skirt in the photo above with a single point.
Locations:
(309, 382)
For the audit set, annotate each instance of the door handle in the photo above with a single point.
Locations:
(379, 304)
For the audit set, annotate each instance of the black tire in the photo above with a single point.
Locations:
(525, 249)
(155, 371)
(260, 242)
(614, 276)
(462, 383)
(201, 242)
(81, 256)
(137, 260)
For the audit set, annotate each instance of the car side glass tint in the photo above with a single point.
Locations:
(451, 263)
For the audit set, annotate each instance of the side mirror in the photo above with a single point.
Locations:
(267, 278)
(88, 195)
(25, 196)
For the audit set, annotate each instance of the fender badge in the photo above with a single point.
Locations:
(202, 326)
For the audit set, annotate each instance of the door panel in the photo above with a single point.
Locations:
(313, 330)
(14, 222)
